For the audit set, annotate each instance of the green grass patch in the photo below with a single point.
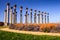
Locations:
(18, 36)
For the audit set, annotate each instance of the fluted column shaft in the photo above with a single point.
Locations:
(5, 17)
(45, 17)
(42, 17)
(25, 19)
(48, 18)
(31, 16)
(35, 16)
(21, 14)
(11, 11)
(26, 16)
(38, 17)
(15, 15)
(8, 9)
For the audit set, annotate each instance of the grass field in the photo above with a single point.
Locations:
(17, 36)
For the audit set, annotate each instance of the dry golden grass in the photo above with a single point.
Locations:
(18, 25)
(41, 25)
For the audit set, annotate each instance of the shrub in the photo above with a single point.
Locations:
(31, 28)
(1, 24)
(46, 29)
(37, 28)
(28, 28)
(12, 26)
(56, 29)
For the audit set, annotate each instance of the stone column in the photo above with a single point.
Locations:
(47, 17)
(42, 17)
(5, 18)
(35, 16)
(21, 14)
(26, 16)
(8, 8)
(31, 16)
(16, 17)
(38, 17)
(13, 18)
(11, 11)
(25, 19)
(15, 14)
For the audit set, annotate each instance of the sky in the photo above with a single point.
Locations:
(50, 6)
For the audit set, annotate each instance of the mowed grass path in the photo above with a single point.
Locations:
(18, 36)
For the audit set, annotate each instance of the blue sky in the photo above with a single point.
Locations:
(50, 6)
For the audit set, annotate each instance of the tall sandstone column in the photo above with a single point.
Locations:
(35, 16)
(47, 17)
(8, 9)
(15, 14)
(38, 17)
(26, 16)
(21, 14)
(11, 12)
(13, 18)
(31, 16)
(5, 18)
(16, 17)
(42, 17)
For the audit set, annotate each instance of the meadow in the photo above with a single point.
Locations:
(18, 36)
